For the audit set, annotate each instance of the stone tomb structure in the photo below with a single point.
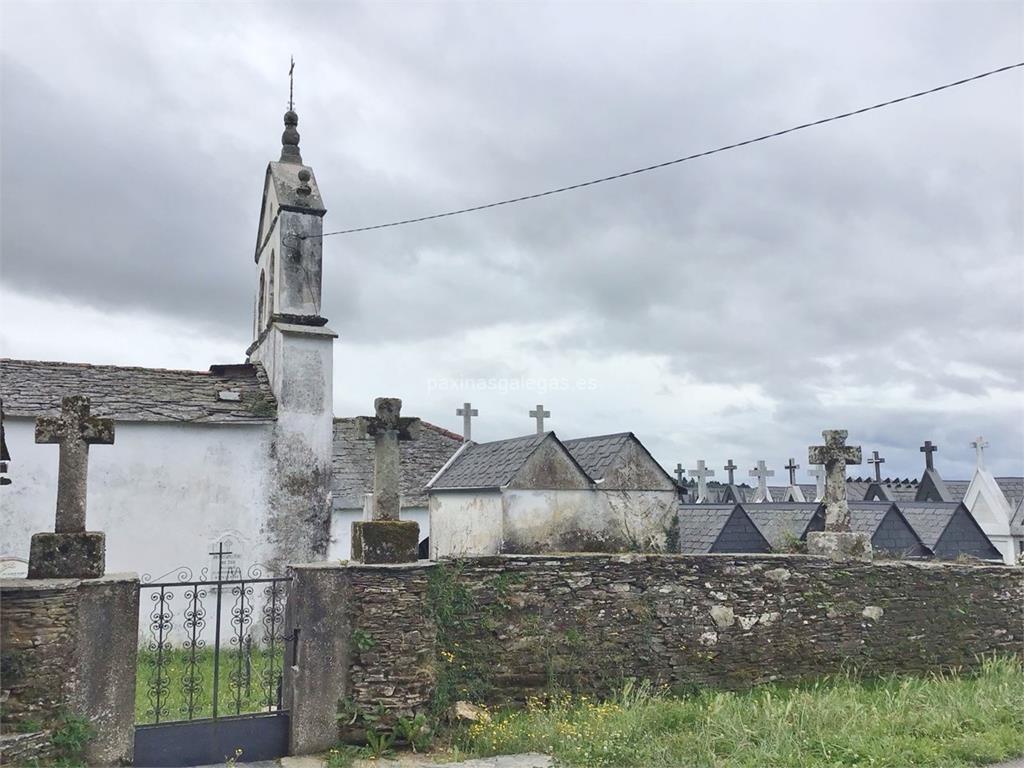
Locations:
(717, 528)
(538, 494)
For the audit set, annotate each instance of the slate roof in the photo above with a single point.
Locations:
(700, 525)
(957, 488)
(866, 516)
(597, 454)
(1017, 521)
(489, 465)
(810, 490)
(35, 388)
(782, 523)
(1012, 488)
(896, 490)
(352, 463)
(929, 519)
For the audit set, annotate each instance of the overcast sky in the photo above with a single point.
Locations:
(868, 274)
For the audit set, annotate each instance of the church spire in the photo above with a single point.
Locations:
(290, 137)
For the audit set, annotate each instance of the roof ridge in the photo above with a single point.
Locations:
(597, 437)
(111, 365)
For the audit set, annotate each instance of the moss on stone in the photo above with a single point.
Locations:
(378, 542)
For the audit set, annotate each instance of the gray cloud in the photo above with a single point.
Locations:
(881, 252)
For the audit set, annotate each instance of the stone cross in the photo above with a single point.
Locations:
(818, 473)
(928, 449)
(74, 431)
(835, 454)
(540, 414)
(762, 473)
(702, 473)
(730, 468)
(679, 473)
(792, 467)
(467, 412)
(387, 428)
(979, 446)
(878, 461)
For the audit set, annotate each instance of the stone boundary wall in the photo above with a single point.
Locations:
(68, 646)
(499, 629)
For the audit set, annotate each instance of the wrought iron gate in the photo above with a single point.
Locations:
(211, 657)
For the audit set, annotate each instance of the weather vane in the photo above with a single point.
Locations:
(291, 85)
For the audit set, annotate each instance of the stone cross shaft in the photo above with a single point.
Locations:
(762, 473)
(702, 473)
(540, 414)
(878, 461)
(387, 428)
(731, 469)
(979, 447)
(818, 473)
(467, 412)
(74, 430)
(680, 472)
(792, 467)
(835, 454)
(928, 449)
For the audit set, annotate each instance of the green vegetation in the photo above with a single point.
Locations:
(69, 737)
(247, 683)
(946, 720)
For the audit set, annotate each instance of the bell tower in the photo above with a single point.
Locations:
(293, 343)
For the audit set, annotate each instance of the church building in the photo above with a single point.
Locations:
(248, 454)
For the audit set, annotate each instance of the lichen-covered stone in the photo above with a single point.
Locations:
(377, 542)
(67, 555)
(839, 545)
(587, 622)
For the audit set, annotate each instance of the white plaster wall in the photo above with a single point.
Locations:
(163, 493)
(341, 528)
(465, 524)
(989, 507)
(533, 518)
(586, 519)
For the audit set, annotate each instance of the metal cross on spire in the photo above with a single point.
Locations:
(467, 412)
(878, 461)
(730, 468)
(291, 86)
(540, 414)
(792, 467)
(928, 449)
(979, 445)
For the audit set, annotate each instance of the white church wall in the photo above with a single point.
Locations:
(465, 523)
(163, 493)
(341, 528)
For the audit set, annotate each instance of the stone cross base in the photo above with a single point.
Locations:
(839, 545)
(67, 555)
(375, 542)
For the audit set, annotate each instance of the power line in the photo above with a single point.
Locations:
(678, 160)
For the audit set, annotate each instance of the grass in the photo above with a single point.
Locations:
(945, 720)
(177, 676)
